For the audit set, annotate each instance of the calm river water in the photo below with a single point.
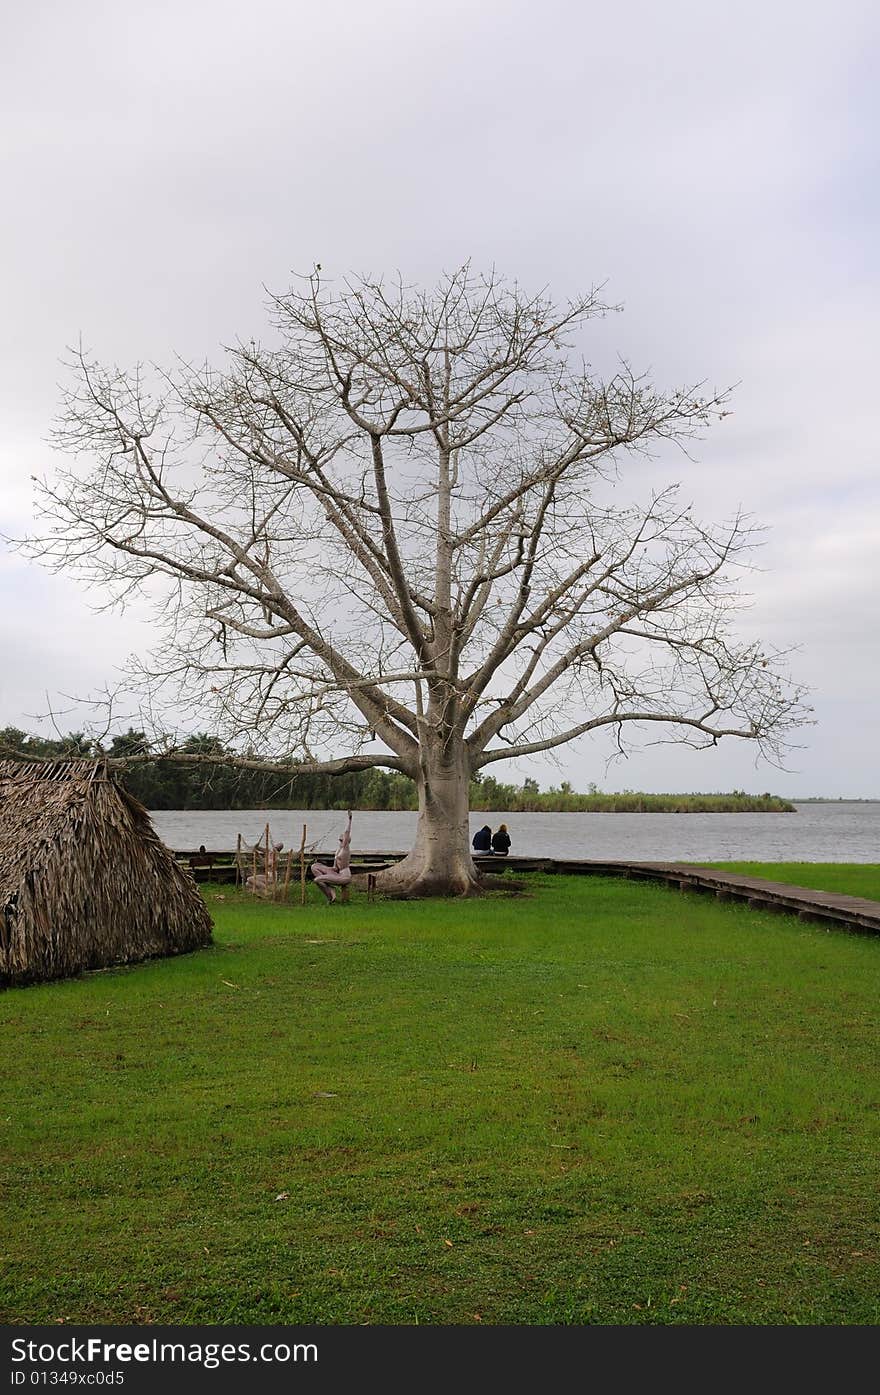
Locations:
(838, 832)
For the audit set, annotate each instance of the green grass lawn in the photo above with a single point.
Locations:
(605, 1102)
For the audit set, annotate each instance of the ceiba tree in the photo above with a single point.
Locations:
(394, 537)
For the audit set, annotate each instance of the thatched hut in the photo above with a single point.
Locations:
(84, 880)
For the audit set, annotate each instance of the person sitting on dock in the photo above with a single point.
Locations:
(340, 873)
(501, 841)
(482, 839)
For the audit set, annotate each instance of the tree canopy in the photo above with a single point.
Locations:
(393, 536)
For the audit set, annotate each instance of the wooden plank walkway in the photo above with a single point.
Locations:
(827, 907)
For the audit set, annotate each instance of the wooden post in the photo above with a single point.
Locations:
(267, 860)
(238, 873)
(287, 874)
(302, 868)
(255, 869)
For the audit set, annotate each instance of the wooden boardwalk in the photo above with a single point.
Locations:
(827, 907)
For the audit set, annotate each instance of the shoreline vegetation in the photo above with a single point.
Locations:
(168, 784)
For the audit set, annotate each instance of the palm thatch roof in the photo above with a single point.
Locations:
(84, 879)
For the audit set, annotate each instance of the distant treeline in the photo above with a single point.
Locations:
(169, 784)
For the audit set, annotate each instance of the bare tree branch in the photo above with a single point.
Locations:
(411, 490)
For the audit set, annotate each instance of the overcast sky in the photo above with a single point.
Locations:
(715, 165)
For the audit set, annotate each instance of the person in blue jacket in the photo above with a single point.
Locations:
(482, 839)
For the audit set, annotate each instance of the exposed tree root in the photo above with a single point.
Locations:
(416, 887)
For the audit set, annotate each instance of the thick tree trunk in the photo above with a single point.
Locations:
(440, 863)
